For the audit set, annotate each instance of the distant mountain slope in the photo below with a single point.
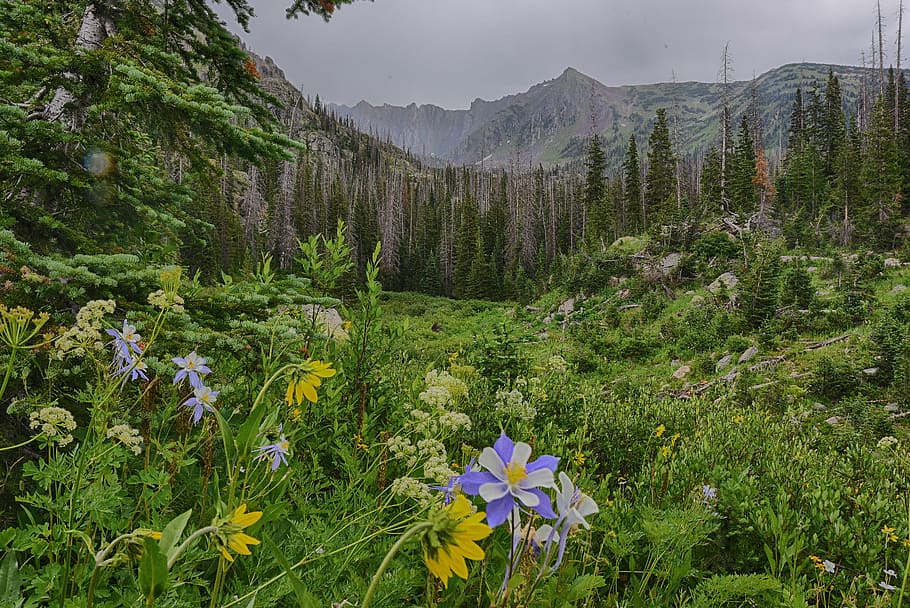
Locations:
(550, 121)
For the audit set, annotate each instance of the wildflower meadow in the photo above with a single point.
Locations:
(170, 443)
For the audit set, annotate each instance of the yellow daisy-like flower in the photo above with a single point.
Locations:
(230, 533)
(660, 431)
(452, 540)
(306, 379)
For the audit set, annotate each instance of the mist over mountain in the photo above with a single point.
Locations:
(548, 123)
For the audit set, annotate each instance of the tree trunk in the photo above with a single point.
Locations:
(96, 27)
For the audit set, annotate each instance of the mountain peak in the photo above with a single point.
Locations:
(571, 73)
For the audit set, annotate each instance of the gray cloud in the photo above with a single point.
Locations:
(448, 52)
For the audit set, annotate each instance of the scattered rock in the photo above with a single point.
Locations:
(682, 372)
(729, 378)
(892, 263)
(723, 363)
(834, 420)
(543, 335)
(725, 282)
(530, 308)
(567, 307)
(892, 407)
(675, 363)
(820, 258)
(623, 294)
(870, 371)
(819, 407)
(327, 321)
(748, 354)
(690, 293)
(669, 263)
(823, 292)
(698, 301)
(898, 288)
(548, 319)
(812, 269)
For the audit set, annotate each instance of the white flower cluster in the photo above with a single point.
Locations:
(411, 488)
(160, 299)
(887, 441)
(512, 404)
(402, 449)
(128, 436)
(557, 364)
(442, 389)
(437, 468)
(86, 333)
(56, 423)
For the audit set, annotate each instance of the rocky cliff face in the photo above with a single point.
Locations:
(549, 122)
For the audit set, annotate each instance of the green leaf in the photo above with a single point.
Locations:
(172, 532)
(9, 578)
(583, 585)
(305, 599)
(152, 571)
(227, 436)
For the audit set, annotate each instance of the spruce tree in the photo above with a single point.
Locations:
(742, 190)
(661, 178)
(633, 215)
(595, 193)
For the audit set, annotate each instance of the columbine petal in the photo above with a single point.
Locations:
(544, 462)
(492, 461)
(470, 482)
(504, 448)
(493, 491)
(521, 453)
(527, 498)
(538, 478)
(498, 510)
(545, 507)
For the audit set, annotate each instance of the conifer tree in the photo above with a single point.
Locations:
(633, 213)
(711, 183)
(660, 181)
(595, 193)
(742, 190)
(881, 178)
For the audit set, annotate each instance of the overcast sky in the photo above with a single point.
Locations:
(449, 52)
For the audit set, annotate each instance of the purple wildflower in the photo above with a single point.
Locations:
(277, 451)
(135, 368)
(191, 367)
(510, 477)
(201, 401)
(125, 342)
(573, 507)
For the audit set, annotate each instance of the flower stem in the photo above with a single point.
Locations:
(9, 371)
(411, 533)
(183, 547)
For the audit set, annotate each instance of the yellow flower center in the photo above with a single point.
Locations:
(284, 445)
(515, 472)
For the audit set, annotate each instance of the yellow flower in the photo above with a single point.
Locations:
(738, 419)
(665, 451)
(452, 540)
(579, 459)
(306, 379)
(453, 357)
(230, 532)
(660, 431)
(675, 438)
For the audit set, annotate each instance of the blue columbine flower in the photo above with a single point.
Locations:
(451, 488)
(191, 367)
(136, 370)
(573, 506)
(277, 451)
(201, 401)
(125, 342)
(510, 477)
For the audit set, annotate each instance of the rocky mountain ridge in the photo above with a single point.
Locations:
(549, 122)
